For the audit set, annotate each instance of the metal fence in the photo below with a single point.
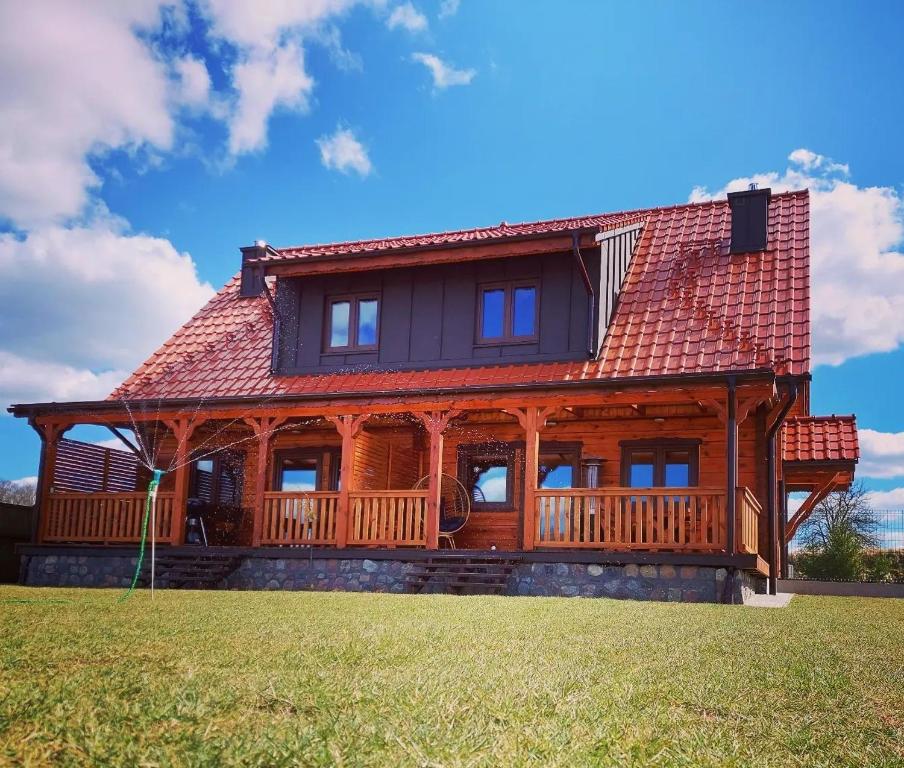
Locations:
(882, 559)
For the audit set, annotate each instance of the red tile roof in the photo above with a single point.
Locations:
(459, 237)
(687, 306)
(820, 438)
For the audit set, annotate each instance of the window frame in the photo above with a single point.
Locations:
(470, 452)
(659, 449)
(354, 300)
(508, 288)
(331, 482)
(575, 449)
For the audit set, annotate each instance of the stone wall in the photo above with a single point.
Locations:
(78, 571)
(321, 574)
(687, 583)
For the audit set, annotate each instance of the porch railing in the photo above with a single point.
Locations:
(387, 518)
(291, 518)
(107, 518)
(684, 519)
(749, 512)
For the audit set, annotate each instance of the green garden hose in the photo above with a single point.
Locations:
(148, 503)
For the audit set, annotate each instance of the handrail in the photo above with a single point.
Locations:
(388, 518)
(674, 519)
(107, 518)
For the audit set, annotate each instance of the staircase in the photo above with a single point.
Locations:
(462, 575)
(189, 571)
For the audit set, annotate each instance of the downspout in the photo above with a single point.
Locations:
(776, 545)
(588, 284)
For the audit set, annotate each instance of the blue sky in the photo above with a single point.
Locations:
(140, 148)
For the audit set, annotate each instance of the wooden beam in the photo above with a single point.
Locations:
(182, 430)
(435, 422)
(806, 509)
(406, 402)
(349, 427)
(264, 427)
(532, 419)
(50, 433)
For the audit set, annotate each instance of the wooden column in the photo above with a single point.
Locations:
(182, 429)
(435, 422)
(264, 428)
(532, 420)
(50, 434)
(349, 427)
(731, 457)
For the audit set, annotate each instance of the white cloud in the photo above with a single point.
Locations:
(444, 75)
(266, 80)
(857, 268)
(83, 305)
(881, 453)
(448, 8)
(76, 81)
(28, 379)
(194, 81)
(341, 151)
(893, 499)
(269, 72)
(408, 17)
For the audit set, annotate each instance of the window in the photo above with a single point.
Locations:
(488, 473)
(352, 323)
(507, 313)
(558, 467)
(306, 470)
(219, 479)
(670, 464)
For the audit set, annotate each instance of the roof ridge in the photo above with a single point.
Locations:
(622, 214)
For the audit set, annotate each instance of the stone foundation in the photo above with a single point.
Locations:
(674, 583)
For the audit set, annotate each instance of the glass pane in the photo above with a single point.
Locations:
(642, 468)
(555, 473)
(493, 310)
(490, 480)
(525, 312)
(299, 475)
(367, 322)
(677, 469)
(205, 465)
(339, 324)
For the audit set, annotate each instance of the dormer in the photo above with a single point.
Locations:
(507, 294)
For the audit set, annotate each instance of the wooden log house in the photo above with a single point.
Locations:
(624, 398)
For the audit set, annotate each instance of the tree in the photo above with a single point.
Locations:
(18, 492)
(836, 535)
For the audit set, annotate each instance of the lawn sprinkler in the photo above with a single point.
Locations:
(150, 514)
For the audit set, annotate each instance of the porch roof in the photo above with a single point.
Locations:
(687, 307)
(820, 439)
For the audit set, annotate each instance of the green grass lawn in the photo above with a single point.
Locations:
(244, 678)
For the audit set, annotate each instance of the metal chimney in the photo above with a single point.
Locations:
(749, 219)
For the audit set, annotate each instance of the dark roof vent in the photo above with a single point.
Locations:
(749, 219)
(252, 274)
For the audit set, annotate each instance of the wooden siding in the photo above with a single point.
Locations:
(428, 314)
(86, 468)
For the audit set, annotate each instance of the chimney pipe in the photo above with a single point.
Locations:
(749, 219)
(252, 274)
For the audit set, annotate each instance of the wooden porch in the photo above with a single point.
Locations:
(376, 475)
(605, 519)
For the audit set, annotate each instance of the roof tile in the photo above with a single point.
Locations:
(687, 306)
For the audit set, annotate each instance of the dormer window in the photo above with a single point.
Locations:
(507, 312)
(352, 323)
